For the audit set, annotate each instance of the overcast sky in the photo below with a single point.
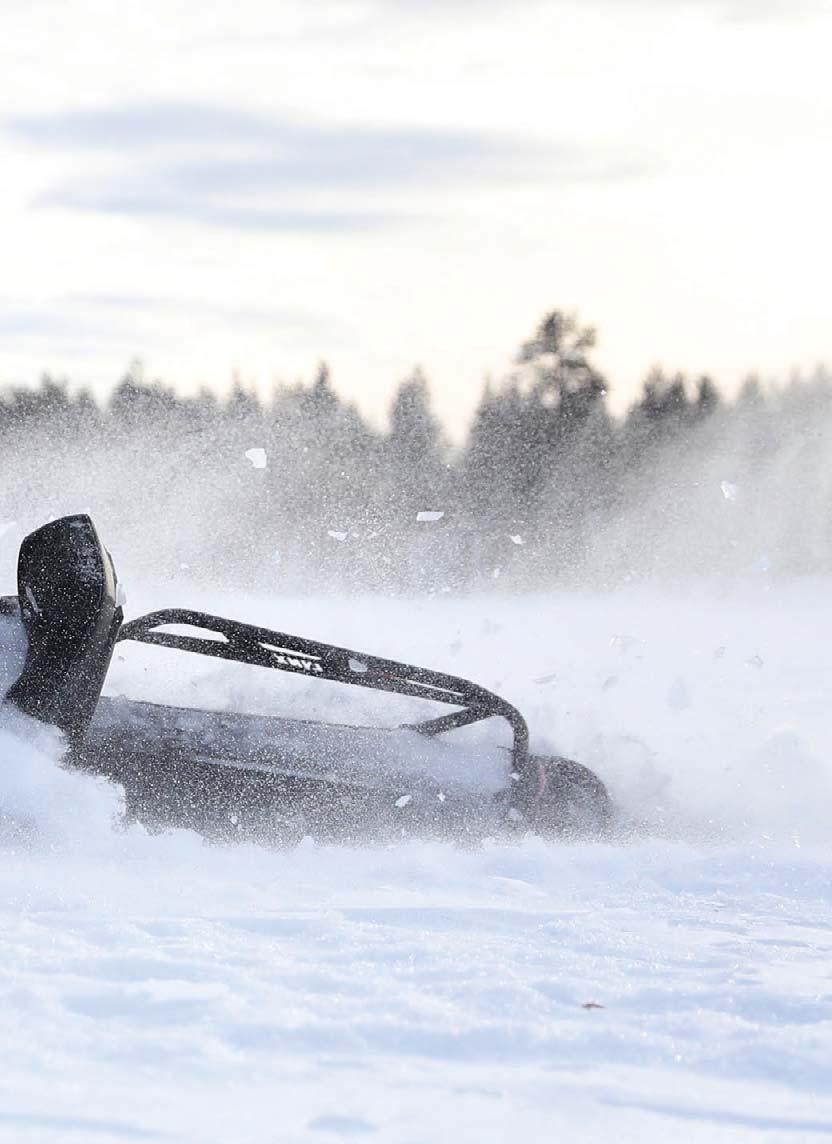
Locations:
(259, 185)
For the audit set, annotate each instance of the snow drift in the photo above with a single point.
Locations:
(675, 983)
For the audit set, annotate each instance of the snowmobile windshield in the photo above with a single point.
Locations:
(13, 643)
(67, 599)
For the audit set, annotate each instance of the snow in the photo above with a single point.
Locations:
(672, 984)
(427, 517)
(257, 457)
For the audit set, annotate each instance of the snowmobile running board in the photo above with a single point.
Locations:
(270, 777)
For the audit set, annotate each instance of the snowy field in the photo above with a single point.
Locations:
(675, 984)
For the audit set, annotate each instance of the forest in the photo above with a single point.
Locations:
(548, 488)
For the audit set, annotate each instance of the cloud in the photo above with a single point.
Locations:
(154, 124)
(744, 11)
(40, 323)
(733, 9)
(145, 202)
(226, 167)
(75, 323)
(58, 327)
(221, 144)
(781, 11)
(269, 317)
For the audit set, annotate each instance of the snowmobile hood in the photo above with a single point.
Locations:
(66, 586)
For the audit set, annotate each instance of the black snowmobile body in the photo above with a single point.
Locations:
(270, 778)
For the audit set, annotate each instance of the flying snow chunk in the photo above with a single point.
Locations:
(517, 540)
(357, 666)
(729, 490)
(257, 458)
(428, 517)
(403, 801)
(337, 535)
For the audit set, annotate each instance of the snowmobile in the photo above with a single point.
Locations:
(271, 778)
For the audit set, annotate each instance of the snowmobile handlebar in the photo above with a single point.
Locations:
(261, 647)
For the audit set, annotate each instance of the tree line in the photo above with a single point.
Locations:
(299, 491)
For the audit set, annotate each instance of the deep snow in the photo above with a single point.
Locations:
(155, 988)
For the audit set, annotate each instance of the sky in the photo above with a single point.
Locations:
(253, 187)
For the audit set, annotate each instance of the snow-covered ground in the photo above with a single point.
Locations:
(676, 984)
